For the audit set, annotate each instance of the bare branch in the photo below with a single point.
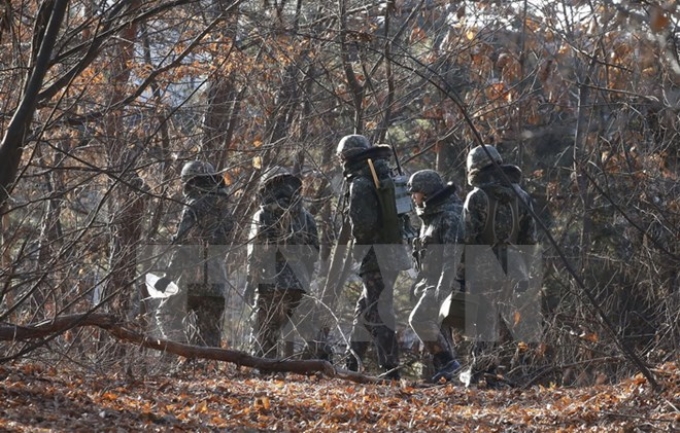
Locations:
(117, 328)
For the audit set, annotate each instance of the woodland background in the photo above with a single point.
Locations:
(102, 102)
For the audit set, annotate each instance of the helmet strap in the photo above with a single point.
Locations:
(439, 196)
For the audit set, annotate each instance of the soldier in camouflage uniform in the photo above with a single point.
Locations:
(494, 221)
(282, 252)
(436, 252)
(197, 264)
(381, 259)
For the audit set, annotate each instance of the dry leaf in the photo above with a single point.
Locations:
(658, 20)
(589, 336)
(517, 317)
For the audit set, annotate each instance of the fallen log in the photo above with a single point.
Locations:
(118, 329)
(10, 332)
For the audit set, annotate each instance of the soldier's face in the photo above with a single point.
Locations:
(418, 198)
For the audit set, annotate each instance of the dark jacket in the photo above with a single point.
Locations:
(487, 184)
(437, 248)
(365, 219)
(283, 247)
(201, 240)
(510, 226)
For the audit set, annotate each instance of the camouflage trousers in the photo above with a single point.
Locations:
(172, 317)
(374, 320)
(424, 320)
(273, 311)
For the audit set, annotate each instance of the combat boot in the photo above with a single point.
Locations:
(391, 372)
(447, 372)
(352, 364)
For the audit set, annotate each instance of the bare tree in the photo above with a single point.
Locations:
(101, 104)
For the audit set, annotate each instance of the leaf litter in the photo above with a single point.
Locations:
(224, 398)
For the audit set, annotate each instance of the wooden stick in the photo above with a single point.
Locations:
(375, 175)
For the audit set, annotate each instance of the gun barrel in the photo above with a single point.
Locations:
(396, 159)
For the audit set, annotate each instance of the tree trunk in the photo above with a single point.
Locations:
(50, 232)
(127, 202)
(11, 146)
(448, 162)
(580, 165)
(222, 101)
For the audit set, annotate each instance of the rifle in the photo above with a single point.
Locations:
(396, 160)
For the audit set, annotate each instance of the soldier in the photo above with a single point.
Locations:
(495, 223)
(436, 253)
(282, 252)
(197, 265)
(374, 317)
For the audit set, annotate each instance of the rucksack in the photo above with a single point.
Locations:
(395, 205)
(392, 193)
(488, 234)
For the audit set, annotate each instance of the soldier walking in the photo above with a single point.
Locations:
(380, 255)
(197, 261)
(496, 225)
(282, 252)
(436, 252)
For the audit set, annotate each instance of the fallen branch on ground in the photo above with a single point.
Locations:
(118, 329)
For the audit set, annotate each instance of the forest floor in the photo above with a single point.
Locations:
(209, 397)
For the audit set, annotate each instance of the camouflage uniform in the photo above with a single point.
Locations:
(197, 263)
(282, 253)
(436, 252)
(494, 234)
(374, 317)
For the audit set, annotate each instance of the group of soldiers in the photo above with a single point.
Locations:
(283, 249)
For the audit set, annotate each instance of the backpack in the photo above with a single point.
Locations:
(488, 235)
(395, 204)
(502, 247)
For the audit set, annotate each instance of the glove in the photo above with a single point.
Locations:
(162, 284)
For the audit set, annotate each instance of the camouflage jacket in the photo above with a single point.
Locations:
(512, 223)
(283, 248)
(437, 250)
(364, 215)
(201, 240)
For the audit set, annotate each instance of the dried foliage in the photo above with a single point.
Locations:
(208, 397)
(582, 95)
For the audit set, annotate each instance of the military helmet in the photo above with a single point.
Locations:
(351, 145)
(279, 176)
(478, 159)
(426, 181)
(196, 169)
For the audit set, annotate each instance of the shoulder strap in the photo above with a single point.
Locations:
(489, 231)
(514, 233)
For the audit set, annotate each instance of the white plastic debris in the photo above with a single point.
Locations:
(151, 281)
